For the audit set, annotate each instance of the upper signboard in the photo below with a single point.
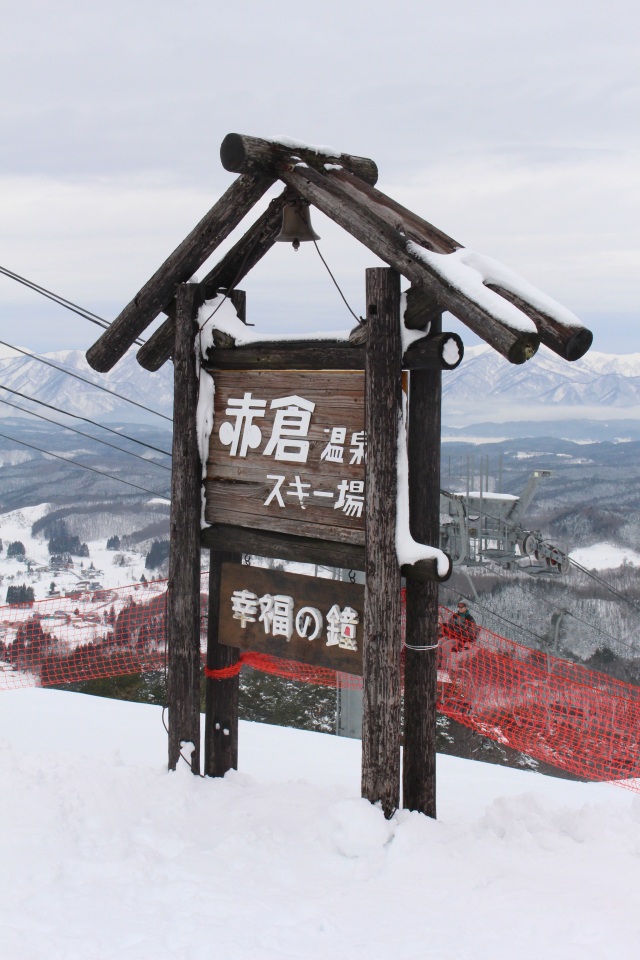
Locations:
(287, 453)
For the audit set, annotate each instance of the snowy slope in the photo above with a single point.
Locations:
(106, 855)
(32, 569)
(599, 384)
(128, 378)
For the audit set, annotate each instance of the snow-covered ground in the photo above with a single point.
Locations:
(110, 568)
(107, 855)
(604, 556)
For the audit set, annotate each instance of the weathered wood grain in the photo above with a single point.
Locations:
(221, 696)
(419, 757)
(183, 594)
(308, 500)
(230, 270)
(421, 308)
(368, 219)
(291, 355)
(382, 638)
(282, 546)
(306, 591)
(243, 154)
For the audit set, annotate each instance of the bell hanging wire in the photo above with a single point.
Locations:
(296, 224)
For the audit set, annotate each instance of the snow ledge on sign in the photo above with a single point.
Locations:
(409, 336)
(468, 272)
(224, 318)
(408, 550)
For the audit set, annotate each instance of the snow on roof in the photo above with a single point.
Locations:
(323, 151)
(463, 271)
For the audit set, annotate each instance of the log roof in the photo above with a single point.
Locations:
(501, 308)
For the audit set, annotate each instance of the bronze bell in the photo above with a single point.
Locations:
(296, 224)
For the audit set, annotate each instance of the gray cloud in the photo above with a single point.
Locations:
(513, 128)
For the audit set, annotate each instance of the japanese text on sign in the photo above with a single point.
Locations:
(279, 618)
(289, 442)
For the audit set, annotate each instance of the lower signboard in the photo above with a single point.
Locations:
(309, 619)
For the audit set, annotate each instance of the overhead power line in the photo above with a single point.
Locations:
(61, 301)
(555, 607)
(603, 583)
(83, 466)
(76, 416)
(70, 373)
(88, 436)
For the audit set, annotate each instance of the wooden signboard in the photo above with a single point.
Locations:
(287, 453)
(309, 619)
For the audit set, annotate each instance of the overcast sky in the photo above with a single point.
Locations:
(512, 126)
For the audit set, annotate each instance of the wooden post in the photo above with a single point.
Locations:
(221, 710)
(183, 598)
(420, 672)
(382, 633)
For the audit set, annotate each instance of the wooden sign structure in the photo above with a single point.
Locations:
(287, 453)
(270, 490)
(292, 616)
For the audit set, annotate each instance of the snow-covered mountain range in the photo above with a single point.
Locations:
(487, 387)
(484, 387)
(53, 386)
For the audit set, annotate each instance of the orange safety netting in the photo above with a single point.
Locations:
(556, 711)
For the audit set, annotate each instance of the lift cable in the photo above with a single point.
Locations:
(70, 373)
(83, 466)
(588, 573)
(105, 443)
(603, 583)
(61, 301)
(94, 423)
(501, 617)
(587, 623)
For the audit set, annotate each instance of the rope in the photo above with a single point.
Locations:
(360, 320)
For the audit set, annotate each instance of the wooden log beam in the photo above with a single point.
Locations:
(363, 219)
(228, 272)
(420, 674)
(157, 292)
(282, 546)
(443, 351)
(566, 339)
(285, 546)
(396, 215)
(421, 309)
(183, 595)
(382, 643)
(242, 154)
(288, 355)
(569, 342)
(221, 695)
(440, 351)
(426, 571)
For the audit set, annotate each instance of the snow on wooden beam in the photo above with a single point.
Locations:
(151, 300)
(378, 226)
(558, 328)
(242, 154)
(230, 270)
